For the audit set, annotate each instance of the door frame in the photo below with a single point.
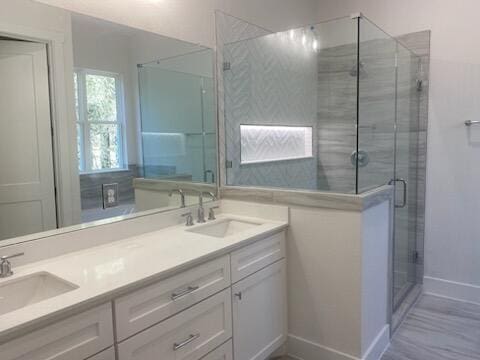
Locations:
(64, 140)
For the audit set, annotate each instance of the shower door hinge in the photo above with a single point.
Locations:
(228, 164)
(227, 65)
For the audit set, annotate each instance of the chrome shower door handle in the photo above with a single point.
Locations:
(405, 187)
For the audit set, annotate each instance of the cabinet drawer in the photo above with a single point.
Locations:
(223, 352)
(189, 335)
(108, 354)
(256, 256)
(75, 338)
(148, 306)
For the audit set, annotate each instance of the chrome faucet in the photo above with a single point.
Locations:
(5, 266)
(201, 210)
(182, 196)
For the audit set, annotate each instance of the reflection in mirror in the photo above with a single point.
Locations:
(178, 121)
(143, 117)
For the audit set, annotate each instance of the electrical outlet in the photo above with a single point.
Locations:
(110, 195)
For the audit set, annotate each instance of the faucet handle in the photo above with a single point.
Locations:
(5, 266)
(189, 217)
(180, 191)
(211, 212)
(211, 194)
(6, 257)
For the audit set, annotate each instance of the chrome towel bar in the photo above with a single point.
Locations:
(472, 122)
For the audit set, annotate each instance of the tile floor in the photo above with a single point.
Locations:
(437, 329)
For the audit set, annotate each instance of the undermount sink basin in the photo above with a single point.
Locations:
(30, 289)
(224, 228)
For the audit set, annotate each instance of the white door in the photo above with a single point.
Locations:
(259, 313)
(27, 198)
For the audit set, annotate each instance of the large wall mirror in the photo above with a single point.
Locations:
(140, 114)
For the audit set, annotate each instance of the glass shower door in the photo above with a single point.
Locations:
(405, 174)
(388, 137)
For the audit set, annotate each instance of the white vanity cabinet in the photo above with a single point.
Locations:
(148, 306)
(230, 308)
(259, 313)
(108, 354)
(76, 338)
(190, 335)
(223, 352)
(258, 255)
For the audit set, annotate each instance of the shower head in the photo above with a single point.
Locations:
(356, 67)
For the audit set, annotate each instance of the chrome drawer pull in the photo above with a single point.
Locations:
(182, 293)
(192, 337)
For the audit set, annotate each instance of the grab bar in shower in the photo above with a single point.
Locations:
(472, 122)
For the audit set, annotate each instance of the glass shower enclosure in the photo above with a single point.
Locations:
(328, 107)
(178, 124)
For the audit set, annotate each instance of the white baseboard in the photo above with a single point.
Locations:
(302, 349)
(379, 345)
(451, 289)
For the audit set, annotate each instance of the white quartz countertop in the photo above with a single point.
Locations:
(107, 271)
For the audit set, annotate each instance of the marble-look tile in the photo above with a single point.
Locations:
(405, 306)
(168, 185)
(438, 329)
(318, 199)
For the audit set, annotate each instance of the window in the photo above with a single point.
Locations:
(100, 122)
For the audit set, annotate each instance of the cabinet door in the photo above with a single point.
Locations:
(188, 335)
(259, 313)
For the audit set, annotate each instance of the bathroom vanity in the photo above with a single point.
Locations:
(208, 291)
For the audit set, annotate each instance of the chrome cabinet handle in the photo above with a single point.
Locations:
(192, 337)
(184, 292)
(404, 183)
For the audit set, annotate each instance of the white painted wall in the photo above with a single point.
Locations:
(193, 20)
(337, 282)
(452, 245)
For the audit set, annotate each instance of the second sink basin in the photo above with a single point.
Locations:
(31, 289)
(224, 228)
